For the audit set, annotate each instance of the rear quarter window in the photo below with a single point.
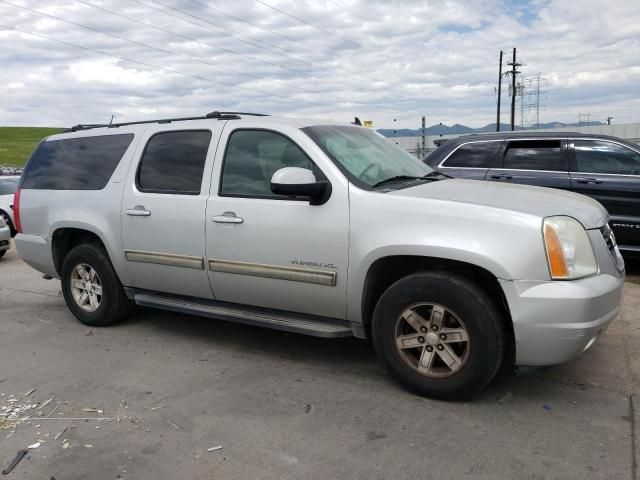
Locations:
(85, 163)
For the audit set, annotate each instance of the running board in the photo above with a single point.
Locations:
(287, 321)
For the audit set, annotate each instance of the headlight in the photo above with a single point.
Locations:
(569, 251)
(2, 223)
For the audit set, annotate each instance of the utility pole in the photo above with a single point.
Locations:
(424, 147)
(514, 71)
(499, 93)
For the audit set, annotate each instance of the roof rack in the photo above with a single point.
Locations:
(210, 115)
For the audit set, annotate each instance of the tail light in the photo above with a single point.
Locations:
(16, 211)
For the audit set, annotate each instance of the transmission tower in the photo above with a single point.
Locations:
(584, 119)
(532, 92)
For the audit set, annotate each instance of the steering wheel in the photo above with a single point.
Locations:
(363, 174)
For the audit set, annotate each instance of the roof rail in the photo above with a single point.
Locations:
(210, 115)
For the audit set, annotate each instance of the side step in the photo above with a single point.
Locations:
(278, 320)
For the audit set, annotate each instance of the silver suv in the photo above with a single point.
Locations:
(320, 228)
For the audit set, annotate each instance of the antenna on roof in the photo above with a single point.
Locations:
(111, 121)
(357, 121)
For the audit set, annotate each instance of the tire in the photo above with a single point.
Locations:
(2, 253)
(9, 223)
(111, 305)
(416, 312)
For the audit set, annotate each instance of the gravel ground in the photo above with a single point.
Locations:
(160, 389)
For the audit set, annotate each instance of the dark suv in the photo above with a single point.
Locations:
(603, 167)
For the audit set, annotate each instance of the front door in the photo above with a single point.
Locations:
(610, 173)
(163, 212)
(272, 251)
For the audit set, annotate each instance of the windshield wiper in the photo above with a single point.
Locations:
(435, 173)
(397, 178)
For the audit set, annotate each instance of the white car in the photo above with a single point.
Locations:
(5, 237)
(8, 186)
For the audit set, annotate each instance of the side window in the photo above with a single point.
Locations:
(595, 156)
(173, 162)
(83, 163)
(251, 159)
(475, 155)
(534, 155)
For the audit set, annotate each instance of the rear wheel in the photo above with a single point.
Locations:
(438, 334)
(91, 287)
(2, 253)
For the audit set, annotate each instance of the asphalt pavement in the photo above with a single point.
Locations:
(148, 398)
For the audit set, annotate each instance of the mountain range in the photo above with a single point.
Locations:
(458, 129)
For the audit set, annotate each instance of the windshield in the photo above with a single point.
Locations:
(8, 186)
(365, 156)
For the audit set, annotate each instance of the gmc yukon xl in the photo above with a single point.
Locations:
(319, 228)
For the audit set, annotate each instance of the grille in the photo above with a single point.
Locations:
(610, 240)
(609, 237)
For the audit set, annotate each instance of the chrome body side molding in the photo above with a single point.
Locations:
(173, 260)
(294, 274)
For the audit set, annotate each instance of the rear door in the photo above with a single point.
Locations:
(163, 211)
(610, 173)
(472, 160)
(542, 162)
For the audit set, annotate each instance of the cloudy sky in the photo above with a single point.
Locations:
(80, 61)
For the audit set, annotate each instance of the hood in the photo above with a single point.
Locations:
(538, 201)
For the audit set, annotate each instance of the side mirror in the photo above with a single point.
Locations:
(300, 182)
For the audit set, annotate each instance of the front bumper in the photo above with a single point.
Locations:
(555, 321)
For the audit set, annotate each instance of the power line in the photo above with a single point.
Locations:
(234, 34)
(299, 57)
(186, 37)
(149, 65)
(348, 10)
(273, 32)
(308, 23)
(310, 62)
(161, 50)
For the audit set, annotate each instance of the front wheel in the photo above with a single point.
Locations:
(91, 287)
(438, 334)
(7, 220)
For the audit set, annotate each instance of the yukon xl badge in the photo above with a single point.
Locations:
(307, 263)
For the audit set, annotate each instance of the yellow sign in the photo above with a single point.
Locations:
(368, 123)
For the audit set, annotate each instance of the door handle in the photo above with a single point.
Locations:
(137, 211)
(593, 181)
(501, 177)
(227, 217)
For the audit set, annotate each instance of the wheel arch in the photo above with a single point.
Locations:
(385, 271)
(65, 236)
(64, 239)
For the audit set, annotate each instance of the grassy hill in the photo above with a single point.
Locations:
(16, 143)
